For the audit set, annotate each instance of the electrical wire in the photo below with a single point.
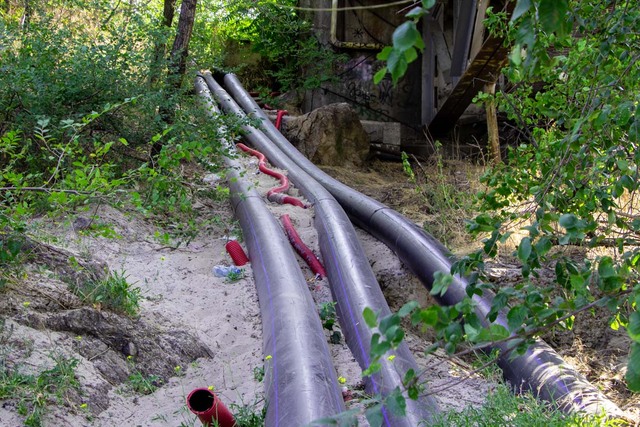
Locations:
(329, 9)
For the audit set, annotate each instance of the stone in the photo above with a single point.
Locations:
(330, 136)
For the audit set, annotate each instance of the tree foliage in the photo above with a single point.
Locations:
(290, 53)
(79, 115)
(571, 180)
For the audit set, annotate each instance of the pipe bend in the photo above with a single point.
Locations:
(424, 255)
(352, 281)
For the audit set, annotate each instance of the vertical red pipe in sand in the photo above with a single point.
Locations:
(209, 409)
(302, 249)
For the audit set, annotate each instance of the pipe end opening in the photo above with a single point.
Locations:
(200, 400)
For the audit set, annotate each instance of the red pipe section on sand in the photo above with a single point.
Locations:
(209, 409)
(236, 253)
(275, 194)
(302, 249)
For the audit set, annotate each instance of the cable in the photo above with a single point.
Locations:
(329, 9)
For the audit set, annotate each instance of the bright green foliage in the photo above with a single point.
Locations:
(81, 87)
(573, 177)
(407, 43)
(289, 52)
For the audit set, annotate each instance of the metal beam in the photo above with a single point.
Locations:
(428, 72)
(463, 30)
(484, 68)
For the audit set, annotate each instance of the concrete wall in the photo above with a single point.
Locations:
(381, 102)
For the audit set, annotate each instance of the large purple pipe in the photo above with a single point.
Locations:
(301, 383)
(540, 370)
(353, 283)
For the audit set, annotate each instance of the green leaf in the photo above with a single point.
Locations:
(633, 368)
(372, 369)
(524, 249)
(387, 322)
(416, 12)
(384, 53)
(410, 55)
(374, 415)
(606, 268)
(441, 282)
(516, 317)
(408, 308)
(633, 328)
(396, 403)
(552, 13)
(428, 4)
(379, 75)
(370, 317)
(521, 8)
(568, 221)
(408, 377)
(405, 36)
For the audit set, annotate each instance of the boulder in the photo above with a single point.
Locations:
(331, 135)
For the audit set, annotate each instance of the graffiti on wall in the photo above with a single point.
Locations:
(376, 102)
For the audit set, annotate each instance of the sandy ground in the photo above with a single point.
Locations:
(182, 295)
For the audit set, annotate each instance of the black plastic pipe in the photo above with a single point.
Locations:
(300, 379)
(540, 370)
(353, 283)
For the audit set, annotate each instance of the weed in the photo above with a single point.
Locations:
(143, 385)
(34, 392)
(447, 193)
(250, 414)
(139, 382)
(328, 317)
(502, 407)
(114, 292)
(234, 275)
(258, 373)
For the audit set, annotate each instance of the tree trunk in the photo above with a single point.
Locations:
(180, 49)
(177, 64)
(492, 124)
(160, 49)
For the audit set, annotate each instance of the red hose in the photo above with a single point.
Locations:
(274, 194)
(209, 409)
(302, 249)
(281, 113)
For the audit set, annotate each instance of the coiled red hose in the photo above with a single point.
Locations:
(275, 194)
(302, 249)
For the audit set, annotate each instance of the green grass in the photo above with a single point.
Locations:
(33, 393)
(503, 408)
(114, 293)
(249, 414)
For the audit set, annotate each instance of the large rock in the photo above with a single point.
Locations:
(331, 135)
